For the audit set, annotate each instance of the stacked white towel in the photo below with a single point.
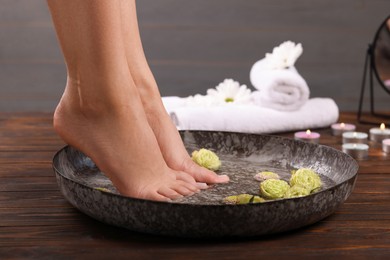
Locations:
(315, 113)
(280, 89)
(281, 102)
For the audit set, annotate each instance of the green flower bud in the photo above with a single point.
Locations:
(257, 199)
(273, 189)
(230, 200)
(306, 178)
(242, 199)
(102, 189)
(262, 176)
(238, 199)
(296, 191)
(207, 159)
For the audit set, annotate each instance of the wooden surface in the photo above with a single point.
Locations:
(36, 222)
(194, 45)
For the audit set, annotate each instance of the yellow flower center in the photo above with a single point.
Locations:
(229, 99)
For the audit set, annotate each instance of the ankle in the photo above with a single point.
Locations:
(99, 97)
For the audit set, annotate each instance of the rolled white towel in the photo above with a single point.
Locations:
(316, 113)
(280, 89)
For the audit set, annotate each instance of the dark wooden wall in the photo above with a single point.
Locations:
(193, 45)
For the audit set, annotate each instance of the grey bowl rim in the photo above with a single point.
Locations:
(173, 204)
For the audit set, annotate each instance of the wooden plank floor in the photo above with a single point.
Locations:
(36, 222)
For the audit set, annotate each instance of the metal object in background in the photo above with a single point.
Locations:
(378, 62)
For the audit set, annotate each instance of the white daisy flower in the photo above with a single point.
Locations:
(230, 92)
(284, 55)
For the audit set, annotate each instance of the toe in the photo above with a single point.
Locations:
(202, 185)
(202, 174)
(169, 193)
(158, 197)
(190, 186)
(185, 189)
(183, 176)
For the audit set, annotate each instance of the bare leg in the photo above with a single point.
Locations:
(166, 133)
(101, 112)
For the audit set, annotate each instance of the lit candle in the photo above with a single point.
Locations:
(354, 137)
(386, 145)
(378, 134)
(308, 136)
(339, 129)
(356, 150)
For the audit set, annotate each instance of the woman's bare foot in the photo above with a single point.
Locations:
(168, 138)
(171, 145)
(120, 141)
(101, 112)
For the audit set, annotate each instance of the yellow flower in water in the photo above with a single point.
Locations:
(207, 159)
(296, 191)
(240, 199)
(243, 199)
(306, 178)
(273, 189)
(102, 189)
(257, 199)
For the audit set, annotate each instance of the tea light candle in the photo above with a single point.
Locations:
(354, 137)
(386, 145)
(356, 150)
(339, 129)
(308, 136)
(378, 134)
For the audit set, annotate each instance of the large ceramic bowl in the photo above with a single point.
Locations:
(203, 214)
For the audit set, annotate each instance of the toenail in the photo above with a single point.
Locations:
(223, 178)
(202, 185)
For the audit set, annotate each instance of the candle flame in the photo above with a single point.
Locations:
(354, 145)
(308, 132)
(354, 134)
(382, 127)
(342, 125)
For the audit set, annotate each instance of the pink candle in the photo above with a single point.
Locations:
(307, 136)
(339, 129)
